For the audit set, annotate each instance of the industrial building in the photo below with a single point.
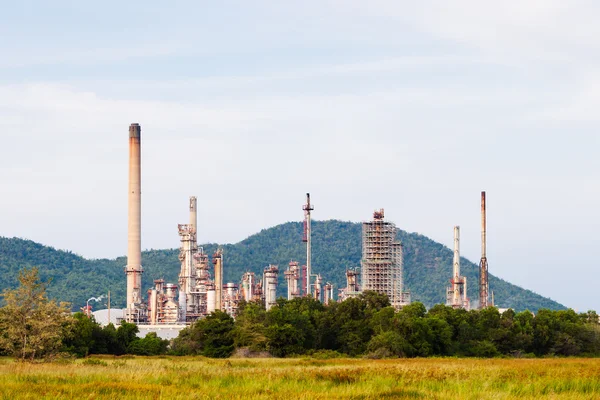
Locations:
(201, 290)
(352, 288)
(269, 285)
(293, 279)
(382, 260)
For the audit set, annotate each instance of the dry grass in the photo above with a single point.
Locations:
(199, 378)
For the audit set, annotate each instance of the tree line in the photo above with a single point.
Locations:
(369, 326)
(33, 326)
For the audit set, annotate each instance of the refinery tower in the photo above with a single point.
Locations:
(382, 260)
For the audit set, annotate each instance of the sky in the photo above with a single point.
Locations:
(415, 107)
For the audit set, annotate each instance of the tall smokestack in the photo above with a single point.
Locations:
(134, 250)
(483, 265)
(307, 209)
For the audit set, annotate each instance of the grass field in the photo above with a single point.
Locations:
(197, 378)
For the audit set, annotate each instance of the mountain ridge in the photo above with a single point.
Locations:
(336, 246)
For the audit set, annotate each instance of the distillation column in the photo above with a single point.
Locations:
(270, 286)
(456, 268)
(218, 263)
(134, 268)
(292, 276)
(483, 265)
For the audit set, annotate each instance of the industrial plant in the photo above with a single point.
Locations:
(201, 289)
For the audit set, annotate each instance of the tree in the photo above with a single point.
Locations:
(126, 334)
(211, 337)
(32, 325)
(249, 328)
(81, 337)
(151, 345)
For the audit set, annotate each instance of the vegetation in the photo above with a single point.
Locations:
(336, 246)
(368, 326)
(35, 327)
(88, 337)
(31, 325)
(198, 377)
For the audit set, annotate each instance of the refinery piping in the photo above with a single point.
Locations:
(201, 289)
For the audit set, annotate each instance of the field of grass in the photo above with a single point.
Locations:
(198, 378)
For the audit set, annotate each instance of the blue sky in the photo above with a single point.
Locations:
(248, 105)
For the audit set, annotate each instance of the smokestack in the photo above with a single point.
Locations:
(307, 209)
(483, 265)
(134, 250)
(193, 213)
(483, 226)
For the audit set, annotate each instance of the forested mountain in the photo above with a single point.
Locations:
(336, 246)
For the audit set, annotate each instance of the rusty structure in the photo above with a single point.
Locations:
(292, 277)
(187, 276)
(456, 294)
(318, 290)
(218, 263)
(136, 310)
(248, 286)
(203, 281)
(352, 288)
(198, 293)
(270, 276)
(163, 304)
(382, 260)
(231, 299)
(484, 287)
(306, 237)
(328, 293)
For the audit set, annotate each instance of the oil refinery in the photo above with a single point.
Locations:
(201, 290)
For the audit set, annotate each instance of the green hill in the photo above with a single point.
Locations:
(336, 246)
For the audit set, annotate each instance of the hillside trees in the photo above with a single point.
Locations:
(336, 247)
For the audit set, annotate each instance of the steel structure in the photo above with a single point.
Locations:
(231, 299)
(292, 277)
(352, 288)
(270, 286)
(164, 308)
(218, 263)
(306, 238)
(328, 293)
(187, 275)
(484, 287)
(382, 260)
(457, 291)
(248, 286)
(203, 281)
(318, 290)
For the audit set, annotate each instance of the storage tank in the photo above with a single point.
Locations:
(211, 300)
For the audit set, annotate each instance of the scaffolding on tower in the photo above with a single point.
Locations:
(382, 260)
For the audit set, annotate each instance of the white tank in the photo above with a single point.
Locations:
(171, 291)
(211, 300)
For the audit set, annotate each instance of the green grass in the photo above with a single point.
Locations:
(199, 378)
